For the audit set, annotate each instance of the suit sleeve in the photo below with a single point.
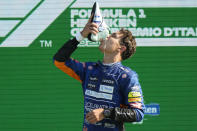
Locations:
(68, 65)
(132, 98)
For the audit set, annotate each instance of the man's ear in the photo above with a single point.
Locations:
(122, 48)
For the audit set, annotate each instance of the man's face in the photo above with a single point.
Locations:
(111, 44)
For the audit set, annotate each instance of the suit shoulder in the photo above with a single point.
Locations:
(128, 70)
(90, 65)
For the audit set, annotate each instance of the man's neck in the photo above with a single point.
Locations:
(110, 58)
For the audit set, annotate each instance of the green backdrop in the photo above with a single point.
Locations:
(36, 96)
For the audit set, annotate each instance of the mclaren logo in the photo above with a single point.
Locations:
(22, 21)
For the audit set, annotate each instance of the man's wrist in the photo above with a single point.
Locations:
(84, 34)
(79, 37)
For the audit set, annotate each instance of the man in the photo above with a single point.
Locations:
(112, 92)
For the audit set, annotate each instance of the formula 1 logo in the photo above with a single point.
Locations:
(22, 21)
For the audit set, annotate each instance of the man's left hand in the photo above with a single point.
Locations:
(95, 116)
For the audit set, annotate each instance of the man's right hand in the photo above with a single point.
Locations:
(90, 27)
